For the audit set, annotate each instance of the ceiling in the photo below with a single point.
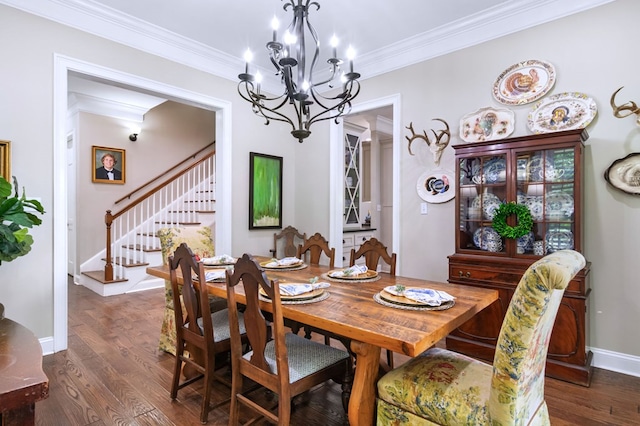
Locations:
(212, 35)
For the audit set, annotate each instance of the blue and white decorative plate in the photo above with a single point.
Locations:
(486, 238)
(559, 239)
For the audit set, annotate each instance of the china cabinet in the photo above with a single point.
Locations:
(544, 173)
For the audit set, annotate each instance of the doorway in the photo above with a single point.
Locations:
(389, 219)
(63, 67)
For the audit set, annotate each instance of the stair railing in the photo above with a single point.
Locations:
(175, 202)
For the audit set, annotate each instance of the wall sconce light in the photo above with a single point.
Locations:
(135, 131)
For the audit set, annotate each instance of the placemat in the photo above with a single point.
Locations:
(320, 298)
(351, 281)
(293, 268)
(383, 302)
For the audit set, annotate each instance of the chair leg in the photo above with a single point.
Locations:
(236, 388)
(390, 359)
(284, 410)
(208, 383)
(177, 370)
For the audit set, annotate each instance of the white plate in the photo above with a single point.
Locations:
(558, 202)
(495, 170)
(559, 240)
(624, 174)
(490, 204)
(486, 238)
(564, 111)
(436, 186)
(487, 124)
(524, 82)
(535, 205)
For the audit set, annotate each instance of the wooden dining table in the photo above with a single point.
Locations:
(352, 312)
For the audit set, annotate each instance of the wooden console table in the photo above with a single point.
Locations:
(22, 381)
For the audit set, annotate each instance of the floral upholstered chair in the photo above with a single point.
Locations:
(446, 388)
(200, 242)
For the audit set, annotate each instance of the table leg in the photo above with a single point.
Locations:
(363, 393)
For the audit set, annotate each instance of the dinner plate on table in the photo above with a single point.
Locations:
(219, 261)
(303, 296)
(337, 274)
(415, 296)
(281, 267)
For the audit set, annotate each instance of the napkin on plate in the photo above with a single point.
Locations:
(216, 275)
(423, 295)
(285, 261)
(291, 289)
(351, 271)
(218, 260)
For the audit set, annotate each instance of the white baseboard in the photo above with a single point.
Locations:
(616, 361)
(47, 345)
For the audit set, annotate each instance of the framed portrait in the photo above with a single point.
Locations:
(108, 165)
(5, 160)
(265, 191)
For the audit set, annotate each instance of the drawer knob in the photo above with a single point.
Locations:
(462, 274)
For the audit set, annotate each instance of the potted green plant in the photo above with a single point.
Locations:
(17, 214)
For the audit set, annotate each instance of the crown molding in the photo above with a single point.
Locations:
(499, 21)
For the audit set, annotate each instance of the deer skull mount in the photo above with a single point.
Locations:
(438, 145)
(625, 109)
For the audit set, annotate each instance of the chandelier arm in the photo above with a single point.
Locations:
(268, 113)
(346, 97)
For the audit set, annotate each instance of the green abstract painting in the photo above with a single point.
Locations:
(265, 191)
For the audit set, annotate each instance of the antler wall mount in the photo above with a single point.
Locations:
(436, 146)
(625, 109)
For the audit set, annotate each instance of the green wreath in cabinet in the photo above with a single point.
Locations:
(523, 216)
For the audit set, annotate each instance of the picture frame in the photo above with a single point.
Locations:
(265, 191)
(99, 173)
(5, 160)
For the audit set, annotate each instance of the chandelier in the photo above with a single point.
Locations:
(302, 90)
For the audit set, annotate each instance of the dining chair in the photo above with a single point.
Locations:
(284, 363)
(447, 388)
(200, 242)
(315, 245)
(285, 242)
(198, 331)
(373, 250)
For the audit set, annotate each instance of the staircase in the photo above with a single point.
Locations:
(185, 199)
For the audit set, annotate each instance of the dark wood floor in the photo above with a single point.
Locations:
(113, 374)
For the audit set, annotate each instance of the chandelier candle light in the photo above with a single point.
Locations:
(301, 90)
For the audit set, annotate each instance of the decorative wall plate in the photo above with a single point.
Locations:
(436, 186)
(487, 124)
(564, 111)
(524, 82)
(624, 174)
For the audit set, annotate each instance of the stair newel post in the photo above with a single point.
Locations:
(108, 267)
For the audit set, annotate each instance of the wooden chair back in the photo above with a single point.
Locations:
(196, 347)
(373, 250)
(288, 247)
(268, 362)
(315, 245)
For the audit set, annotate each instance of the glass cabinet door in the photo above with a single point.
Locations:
(483, 187)
(352, 182)
(545, 184)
